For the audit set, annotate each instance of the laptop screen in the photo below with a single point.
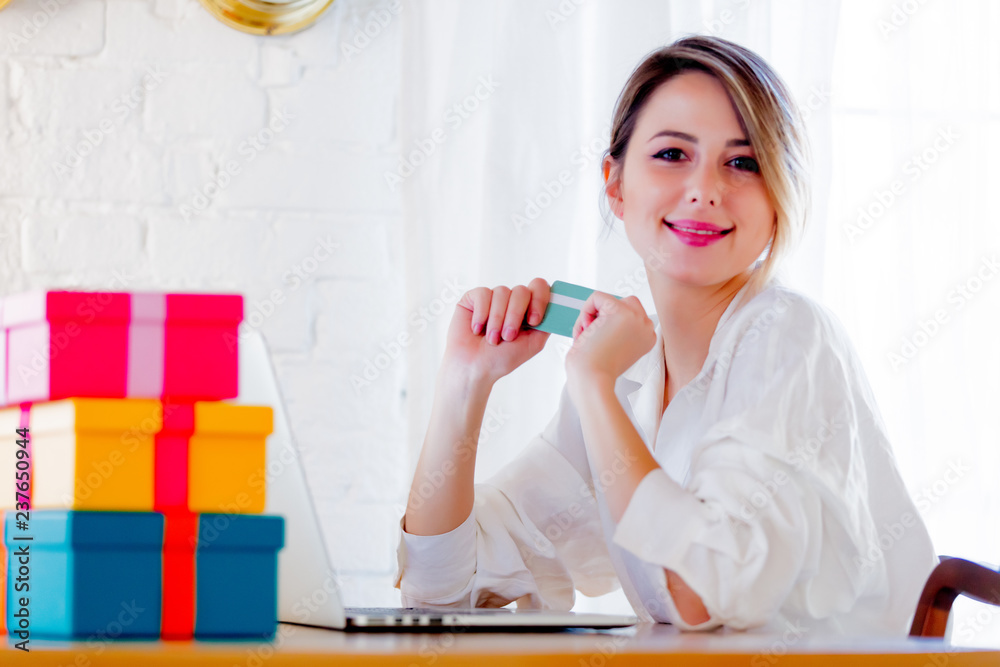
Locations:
(307, 584)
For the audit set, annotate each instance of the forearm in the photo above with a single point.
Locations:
(442, 493)
(618, 455)
(620, 461)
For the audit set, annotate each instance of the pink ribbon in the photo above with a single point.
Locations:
(145, 345)
(25, 421)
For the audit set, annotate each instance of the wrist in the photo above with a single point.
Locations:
(464, 383)
(588, 385)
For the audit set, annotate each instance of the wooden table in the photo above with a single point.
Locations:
(644, 645)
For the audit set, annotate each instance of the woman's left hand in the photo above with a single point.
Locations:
(609, 336)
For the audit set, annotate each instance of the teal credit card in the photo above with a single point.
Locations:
(565, 301)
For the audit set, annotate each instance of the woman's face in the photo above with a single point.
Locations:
(690, 194)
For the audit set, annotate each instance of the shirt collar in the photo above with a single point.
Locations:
(649, 371)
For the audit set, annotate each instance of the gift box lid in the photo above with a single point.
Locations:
(142, 415)
(120, 307)
(10, 420)
(219, 417)
(98, 415)
(240, 531)
(180, 531)
(178, 417)
(205, 308)
(82, 307)
(70, 528)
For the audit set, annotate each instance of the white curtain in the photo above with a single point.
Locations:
(912, 250)
(504, 114)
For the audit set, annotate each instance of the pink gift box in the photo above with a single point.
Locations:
(63, 344)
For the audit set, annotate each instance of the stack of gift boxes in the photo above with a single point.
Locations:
(145, 486)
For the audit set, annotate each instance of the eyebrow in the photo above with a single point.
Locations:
(688, 137)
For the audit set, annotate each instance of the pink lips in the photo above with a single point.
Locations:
(696, 233)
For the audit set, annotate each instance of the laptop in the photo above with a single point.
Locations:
(308, 593)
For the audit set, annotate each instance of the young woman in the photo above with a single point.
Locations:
(726, 464)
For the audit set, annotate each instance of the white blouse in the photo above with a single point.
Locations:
(777, 499)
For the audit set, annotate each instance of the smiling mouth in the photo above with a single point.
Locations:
(704, 232)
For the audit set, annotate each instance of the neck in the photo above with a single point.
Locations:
(688, 317)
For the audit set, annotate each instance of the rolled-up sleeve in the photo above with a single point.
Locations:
(534, 535)
(437, 565)
(774, 511)
(741, 560)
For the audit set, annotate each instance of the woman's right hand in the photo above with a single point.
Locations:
(485, 337)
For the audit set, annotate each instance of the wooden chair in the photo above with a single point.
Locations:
(951, 578)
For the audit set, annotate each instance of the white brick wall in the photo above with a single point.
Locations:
(117, 114)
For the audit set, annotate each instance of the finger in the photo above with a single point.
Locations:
(539, 301)
(478, 301)
(597, 304)
(520, 297)
(632, 303)
(635, 306)
(588, 313)
(498, 310)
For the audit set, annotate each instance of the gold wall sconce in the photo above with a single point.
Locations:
(260, 17)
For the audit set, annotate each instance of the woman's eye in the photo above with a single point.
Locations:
(670, 154)
(744, 163)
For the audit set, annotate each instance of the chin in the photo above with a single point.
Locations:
(697, 276)
(692, 277)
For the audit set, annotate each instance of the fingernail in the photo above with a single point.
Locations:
(534, 318)
(493, 337)
(509, 333)
(477, 327)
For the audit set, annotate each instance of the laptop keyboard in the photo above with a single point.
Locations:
(414, 617)
(413, 611)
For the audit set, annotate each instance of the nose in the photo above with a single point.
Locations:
(704, 186)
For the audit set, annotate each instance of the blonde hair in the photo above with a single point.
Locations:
(766, 111)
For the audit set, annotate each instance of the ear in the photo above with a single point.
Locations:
(613, 187)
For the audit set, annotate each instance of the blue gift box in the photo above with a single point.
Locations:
(236, 588)
(91, 575)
